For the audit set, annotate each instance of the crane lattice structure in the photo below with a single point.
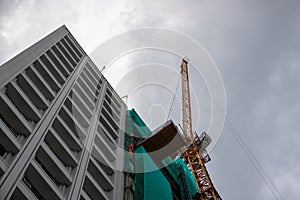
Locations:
(194, 156)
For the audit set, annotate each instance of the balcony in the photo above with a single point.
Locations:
(102, 132)
(84, 196)
(3, 166)
(68, 56)
(91, 77)
(33, 75)
(32, 92)
(62, 58)
(40, 183)
(100, 175)
(99, 156)
(72, 119)
(104, 148)
(75, 98)
(22, 102)
(12, 117)
(84, 96)
(70, 50)
(91, 94)
(22, 192)
(76, 112)
(93, 88)
(61, 149)
(58, 63)
(110, 119)
(8, 139)
(108, 127)
(93, 189)
(89, 82)
(94, 71)
(79, 54)
(66, 134)
(46, 62)
(72, 122)
(46, 74)
(111, 111)
(112, 104)
(114, 97)
(53, 165)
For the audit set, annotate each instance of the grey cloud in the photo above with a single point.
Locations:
(256, 45)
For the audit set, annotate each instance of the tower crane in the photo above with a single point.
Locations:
(195, 154)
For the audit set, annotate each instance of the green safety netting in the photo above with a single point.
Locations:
(153, 184)
(172, 166)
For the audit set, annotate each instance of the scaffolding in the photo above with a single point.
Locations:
(152, 180)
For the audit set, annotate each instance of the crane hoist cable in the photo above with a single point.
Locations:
(258, 167)
(174, 97)
(256, 164)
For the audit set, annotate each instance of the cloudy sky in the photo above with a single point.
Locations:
(255, 44)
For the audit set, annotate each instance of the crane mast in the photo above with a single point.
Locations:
(186, 105)
(192, 154)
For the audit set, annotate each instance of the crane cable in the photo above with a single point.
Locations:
(255, 162)
(174, 96)
(268, 181)
(260, 170)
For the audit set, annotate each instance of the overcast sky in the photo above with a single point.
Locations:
(255, 44)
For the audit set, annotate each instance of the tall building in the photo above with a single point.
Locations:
(60, 125)
(66, 134)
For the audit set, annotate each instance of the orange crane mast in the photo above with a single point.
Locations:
(194, 154)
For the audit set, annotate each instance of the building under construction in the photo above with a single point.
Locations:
(155, 165)
(151, 173)
(62, 134)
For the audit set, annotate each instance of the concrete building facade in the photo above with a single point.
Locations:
(60, 125)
